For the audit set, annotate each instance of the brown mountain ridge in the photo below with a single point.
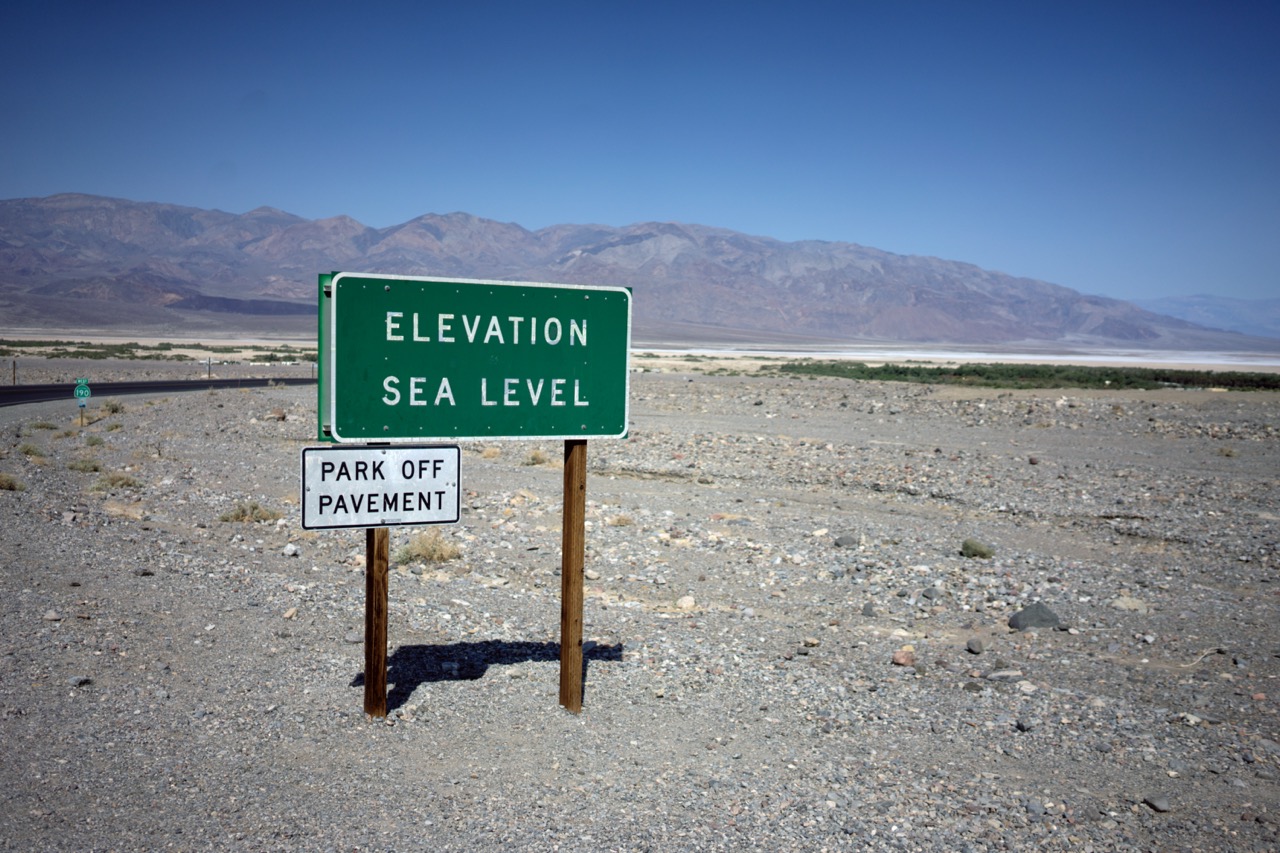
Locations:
(82, 261)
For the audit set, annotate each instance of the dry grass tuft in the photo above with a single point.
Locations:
(251, 511)
(536, 457)
(115, 480)
(430, 547)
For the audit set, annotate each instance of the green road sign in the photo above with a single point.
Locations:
(425, 359)
(82, 389)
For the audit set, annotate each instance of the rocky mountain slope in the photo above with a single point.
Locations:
(79, 261)
(1259, 317)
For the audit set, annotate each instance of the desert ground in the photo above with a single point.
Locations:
(820, 615)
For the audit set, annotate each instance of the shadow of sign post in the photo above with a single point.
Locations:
(411, 666)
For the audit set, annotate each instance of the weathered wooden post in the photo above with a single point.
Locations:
(377, 545)
(573, 558)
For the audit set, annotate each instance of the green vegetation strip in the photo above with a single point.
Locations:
(78, 349)
(1038, 375)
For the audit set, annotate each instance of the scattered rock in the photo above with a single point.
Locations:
(1130, 604)
(1005, 675)
(1157, 803)
(975, 646)
(1036, 615)
(905, 656)
(686, 602)
(973, 549)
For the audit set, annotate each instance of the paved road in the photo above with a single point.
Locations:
(12, 395)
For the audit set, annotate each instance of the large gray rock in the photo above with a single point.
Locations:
(1036, 615)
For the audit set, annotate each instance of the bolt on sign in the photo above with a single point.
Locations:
(427, 359)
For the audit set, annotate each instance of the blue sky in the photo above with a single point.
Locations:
(1124, 148)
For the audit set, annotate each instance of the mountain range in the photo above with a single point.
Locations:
(82, 262)
(1260, 317)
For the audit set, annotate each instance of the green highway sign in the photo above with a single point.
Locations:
(82, 389)
(426, 359)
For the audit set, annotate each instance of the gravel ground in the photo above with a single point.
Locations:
(786, 648)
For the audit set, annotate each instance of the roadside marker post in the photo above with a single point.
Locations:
(409, 359)
(82, 394)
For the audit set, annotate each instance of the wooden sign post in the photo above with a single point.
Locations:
(573, 551)
(377, 546)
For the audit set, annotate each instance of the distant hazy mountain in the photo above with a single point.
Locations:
(87, 262)
(1247, 316)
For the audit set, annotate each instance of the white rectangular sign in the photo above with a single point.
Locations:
(352, 486)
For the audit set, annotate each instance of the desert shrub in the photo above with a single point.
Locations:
(9, 483)
(113, 407)
(29, 449)
(972, 548)
(491, 452)
(430, 547)
(115, 480)
(44, 425)
(95, 441)
(619, 521)
(113, 427)
(86, 466)
(536, 457)
(250, 511)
